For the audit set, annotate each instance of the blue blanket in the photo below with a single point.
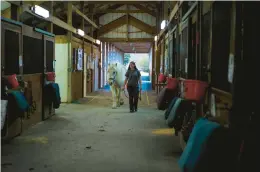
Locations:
(56, 99)
(200, 133)
(167, 112)
(172, 114)
(20, 100)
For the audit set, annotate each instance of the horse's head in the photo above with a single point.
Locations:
(111, 73)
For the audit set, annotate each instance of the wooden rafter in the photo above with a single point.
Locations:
(125, 39)
(112, 25)
(121, 11)
(131, 21)
(113, 7)
(141, 25)
(148, 11)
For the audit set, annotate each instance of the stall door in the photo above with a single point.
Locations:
(49, 46)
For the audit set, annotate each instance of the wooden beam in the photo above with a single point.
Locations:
(148, 11)
(113, 7)
(120, 11)
(124, 20)
(122, 2)
(141, 25)
(85, 17)
(125, 39)
(112, 25)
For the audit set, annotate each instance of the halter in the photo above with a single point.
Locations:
(113, 78)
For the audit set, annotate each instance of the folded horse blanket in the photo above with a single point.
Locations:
(200, 133)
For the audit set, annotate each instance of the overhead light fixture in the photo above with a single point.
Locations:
(97, 41)
(80, 32)
(163, 24)
(155, 38)
(40, 11)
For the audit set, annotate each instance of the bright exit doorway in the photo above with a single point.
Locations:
(143, 62)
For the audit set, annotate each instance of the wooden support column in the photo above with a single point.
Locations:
(83, 50)
(50, 25)
(69, 35)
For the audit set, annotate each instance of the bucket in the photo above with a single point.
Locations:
(161, 78)
(172, 83)
(13, 81)
(50, 76)
(195, 90)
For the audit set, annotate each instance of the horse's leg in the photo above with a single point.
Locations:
(118, 97)
(121, 101)
(113, 97)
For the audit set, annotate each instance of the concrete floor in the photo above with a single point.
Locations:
(93, 137)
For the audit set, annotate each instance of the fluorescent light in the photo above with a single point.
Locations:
(40, 11)
(163, 24)
(97, 41)
(155, 38)
(80, 32)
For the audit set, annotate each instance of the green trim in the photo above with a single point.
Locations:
(11, 21)
(44, 32)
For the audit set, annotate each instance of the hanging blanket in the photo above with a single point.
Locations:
(200, 133)
(3, 112)
(52, 95)
(167, 112)
(20, 100)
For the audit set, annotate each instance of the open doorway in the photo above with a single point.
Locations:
(142, 61)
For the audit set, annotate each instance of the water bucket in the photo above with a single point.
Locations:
(195, 90)
(13, 81)
(161, 78)
(50, 76)
(172, 83)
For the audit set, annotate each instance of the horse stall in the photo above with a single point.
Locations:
(11, 51)
(29, 55)
(220, 97)
(37, 63)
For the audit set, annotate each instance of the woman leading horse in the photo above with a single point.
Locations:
(133, 83)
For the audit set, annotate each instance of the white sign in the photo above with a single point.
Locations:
(80, 58)
(186, 65)
(231, 68)
(213, 105)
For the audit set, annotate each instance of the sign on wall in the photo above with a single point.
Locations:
(80, 59)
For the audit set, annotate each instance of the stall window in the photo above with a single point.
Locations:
(220, 45)
(33, 55)
(49, 56)
(11, 52)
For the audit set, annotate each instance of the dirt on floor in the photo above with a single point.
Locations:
(90, 136)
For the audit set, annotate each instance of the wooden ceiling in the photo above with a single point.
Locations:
(135, 47)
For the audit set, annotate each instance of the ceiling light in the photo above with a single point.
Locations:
(163, 24)
(40, 11)
(155, 38)
(80, 32)
(97, 41)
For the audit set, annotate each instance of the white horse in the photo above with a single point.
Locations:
(115, 78)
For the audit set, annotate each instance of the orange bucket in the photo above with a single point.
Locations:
(172, 83)
(195, 90)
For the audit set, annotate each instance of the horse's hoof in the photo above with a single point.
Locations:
(121, 103)
(113, 107)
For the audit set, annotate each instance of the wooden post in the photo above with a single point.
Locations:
(69, 35)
